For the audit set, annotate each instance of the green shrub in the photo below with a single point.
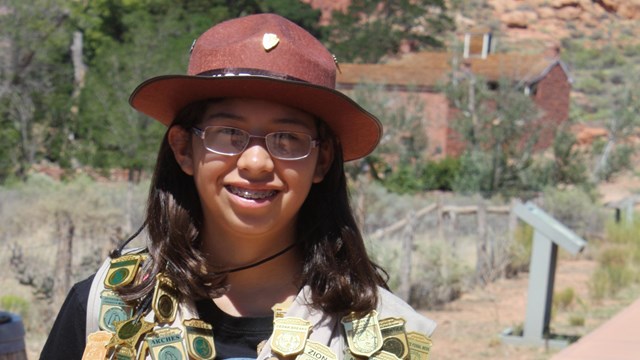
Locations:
(14, 304)
(613, 273)
(439, 175)
(576, 208)
(520, 250)
(562, 300)
(576, 320)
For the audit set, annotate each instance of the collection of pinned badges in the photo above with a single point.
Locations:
(126, 335)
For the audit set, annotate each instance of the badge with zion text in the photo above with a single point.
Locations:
(363, 334)
(112, 309)
(419, 346)
(316, 351)
(165, 299)
(394, 337)
(199, 339)
(122, 270)
(166, 344)
(289, 335)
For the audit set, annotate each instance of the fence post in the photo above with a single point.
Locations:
(404, 290)
(65, 231)
(481, 245)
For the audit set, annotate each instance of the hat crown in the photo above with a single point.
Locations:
(266, 44)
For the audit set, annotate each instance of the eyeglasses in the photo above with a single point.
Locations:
(283, 145)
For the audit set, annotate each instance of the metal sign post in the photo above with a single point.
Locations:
(549, 233)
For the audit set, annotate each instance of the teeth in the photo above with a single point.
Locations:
(251, 194)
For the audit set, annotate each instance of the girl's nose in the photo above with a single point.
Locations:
(256, 158)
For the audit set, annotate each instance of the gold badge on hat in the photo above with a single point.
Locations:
(289, 335)
(419, 345)
(363, 334)
(270, 41)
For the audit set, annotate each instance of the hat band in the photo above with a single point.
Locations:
(248, 72)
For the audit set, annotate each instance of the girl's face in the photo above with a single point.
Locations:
(251, 193)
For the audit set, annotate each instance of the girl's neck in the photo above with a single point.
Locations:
(254, 290)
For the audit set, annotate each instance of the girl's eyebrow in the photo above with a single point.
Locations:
(232, 116)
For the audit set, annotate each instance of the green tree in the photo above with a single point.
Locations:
(499, 128)
(370, 30)
(34, 82)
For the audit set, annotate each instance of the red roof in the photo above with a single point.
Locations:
(427, 69)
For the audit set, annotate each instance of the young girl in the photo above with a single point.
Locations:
(253, 250)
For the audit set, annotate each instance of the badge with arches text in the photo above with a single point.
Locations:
(122, 270)
(363, 334)
(112, 309)
(289, 335)
(419, 346)
(166, 344)
(199, 339)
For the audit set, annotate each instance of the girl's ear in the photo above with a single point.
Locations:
(325, 159)
(180, 141)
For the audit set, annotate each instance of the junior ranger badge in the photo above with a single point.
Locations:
(316, 351)
(420, 346)
(384, 355)
(289, 335)
(199, 339)
(166, 344)
(122, 270)
(395, 338)
(165, 299)
(363, 334)
(112, 309)
(96, 347)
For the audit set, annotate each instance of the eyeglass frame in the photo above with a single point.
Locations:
(313, 143)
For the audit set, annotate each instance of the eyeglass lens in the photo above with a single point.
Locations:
(232, 141)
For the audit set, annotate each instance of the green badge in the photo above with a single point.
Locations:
(122, 270)
(112, 309)
(199, 339)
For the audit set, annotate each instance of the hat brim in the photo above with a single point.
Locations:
(359, 131)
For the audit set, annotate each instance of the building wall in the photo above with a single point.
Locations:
(553, 97)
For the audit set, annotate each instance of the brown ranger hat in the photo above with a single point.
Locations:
(267, 57)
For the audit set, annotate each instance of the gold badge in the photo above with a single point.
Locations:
(96, 345)
(112, 309)
(128, 332)
(395, 339)
(280, 310)
(270, 41)
(316, 351)
(289, 335)
(166, 344)
(165, 299)
(200, 339)
(384, 355)
(363, 334)
(122, 270)
(125, 353)
(419, 346)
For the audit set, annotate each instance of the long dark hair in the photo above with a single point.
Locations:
(336, 265)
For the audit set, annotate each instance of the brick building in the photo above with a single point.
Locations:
(544, 77)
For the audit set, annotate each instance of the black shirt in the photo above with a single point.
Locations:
(234, 337)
